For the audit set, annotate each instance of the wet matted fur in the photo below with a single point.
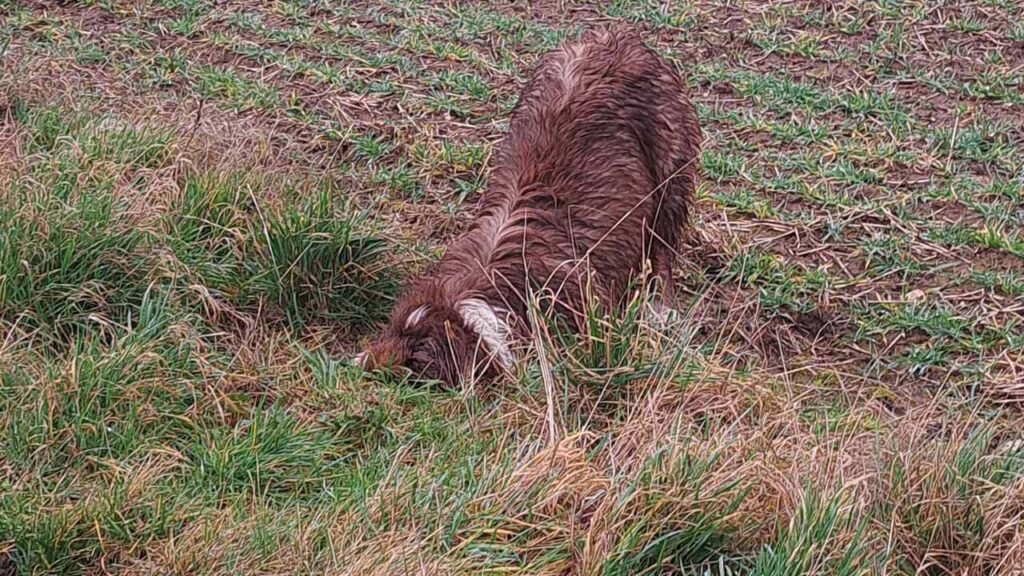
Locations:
(594, 180)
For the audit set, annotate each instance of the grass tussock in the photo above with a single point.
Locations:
(70, 257)
(74, 255)
(68, 265)
(308, 259)
(955, 503)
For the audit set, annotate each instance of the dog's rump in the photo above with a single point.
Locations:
(596, 175)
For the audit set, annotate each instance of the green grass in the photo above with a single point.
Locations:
(205, 210)
(813, 542)
(314, 263)
(75, 421)
(74, 256)
(91, 412)
(70, 257)
(944, 508)
(310, 260)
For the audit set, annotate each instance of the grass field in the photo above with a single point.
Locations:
(206, 206)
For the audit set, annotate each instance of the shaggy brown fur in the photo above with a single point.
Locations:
(595, 178)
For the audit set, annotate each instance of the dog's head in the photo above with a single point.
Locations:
(437, 338)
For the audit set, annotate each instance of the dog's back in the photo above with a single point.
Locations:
(596, 175)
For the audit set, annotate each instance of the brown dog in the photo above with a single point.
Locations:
(595, 178)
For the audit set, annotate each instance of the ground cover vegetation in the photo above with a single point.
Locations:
(206, 206)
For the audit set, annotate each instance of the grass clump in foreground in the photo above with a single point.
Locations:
(68, 255)
(952, 497)
(128, 453)
(306, 258)
(74, 253)
(87, 436)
